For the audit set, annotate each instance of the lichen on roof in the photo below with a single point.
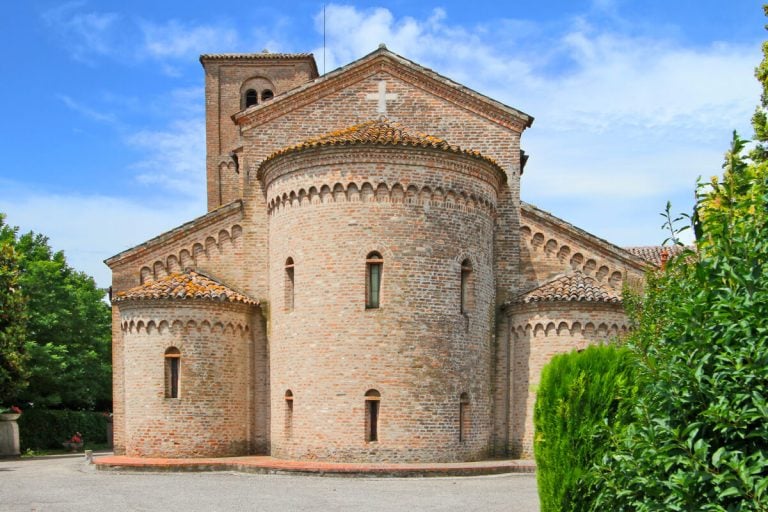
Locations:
(575, 286)
(381, 132)
(184, 285)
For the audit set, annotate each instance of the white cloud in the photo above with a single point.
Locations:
(88, 112)
(177, 40)
(84, 33)
(175, 157)
(91, 228)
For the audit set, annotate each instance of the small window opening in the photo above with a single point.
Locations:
(289, 284)
(373, 269)
(466, 274)
(172, 372)
(251, 98)
(372, 401)
(267, 95)
(288, 413)
(463, 417)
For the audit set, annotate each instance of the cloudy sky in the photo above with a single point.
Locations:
(102, 133)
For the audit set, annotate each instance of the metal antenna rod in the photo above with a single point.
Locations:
(323, 38)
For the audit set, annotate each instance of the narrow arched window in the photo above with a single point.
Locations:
(267, 95)
(172, 372)
(289, 284)
(466, 289)
(251, 98)
(288, 413)
(373, 268)
(463, 417)
(372, 402)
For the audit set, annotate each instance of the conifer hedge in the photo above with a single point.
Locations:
(579, 396)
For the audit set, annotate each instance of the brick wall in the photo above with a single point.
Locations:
(417, 350)
(538, 331)
(226, 80)
(213, 415)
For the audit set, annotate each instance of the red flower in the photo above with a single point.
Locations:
(15, 409)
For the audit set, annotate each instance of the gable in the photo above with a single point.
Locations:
(419, 99)
(396, 66)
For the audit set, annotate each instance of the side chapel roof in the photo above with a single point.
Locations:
(189, 284)
(380, 132)
(655, 254)
(575, 286)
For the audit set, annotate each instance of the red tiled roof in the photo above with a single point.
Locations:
(186, 285)
(379, 132)
(571, 287)
(653, 253)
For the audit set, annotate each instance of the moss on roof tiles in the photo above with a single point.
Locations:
(183, 285)
(379, 132)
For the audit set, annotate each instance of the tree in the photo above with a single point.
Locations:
(699, 439)
(68, 341)
(13, 320)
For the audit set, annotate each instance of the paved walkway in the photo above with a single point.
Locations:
(271, 465)
(70, 484)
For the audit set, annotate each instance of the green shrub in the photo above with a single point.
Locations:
(41, 429)
(700, 441)
(579, 395)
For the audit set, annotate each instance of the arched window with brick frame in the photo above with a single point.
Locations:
(465, 293)
(372, 408)
(463, 417)
(288, 426)
(290, 284)
(374, 265)
(172, 372)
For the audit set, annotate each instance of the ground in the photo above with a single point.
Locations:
(67, 483)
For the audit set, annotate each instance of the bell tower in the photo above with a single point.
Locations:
(235, 82)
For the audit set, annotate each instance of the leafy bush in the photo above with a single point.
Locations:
(41, 429)
(579, 395)
(700, 441)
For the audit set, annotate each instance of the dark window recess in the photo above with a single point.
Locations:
(251, 98)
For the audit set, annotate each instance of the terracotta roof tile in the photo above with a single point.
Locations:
(653, 253)
(571, 287)
(187, 285)
(379, 132)
(262, 55)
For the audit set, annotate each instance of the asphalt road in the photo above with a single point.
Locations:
(70, 484)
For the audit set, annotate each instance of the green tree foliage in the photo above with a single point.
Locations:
(579, 396)
(68, 341)
(700, 438)
(760, 119)
(13, 319)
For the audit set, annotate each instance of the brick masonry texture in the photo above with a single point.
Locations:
(287, 374)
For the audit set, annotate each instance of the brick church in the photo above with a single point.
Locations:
(367, 284)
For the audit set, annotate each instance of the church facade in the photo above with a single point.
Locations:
(367, 284)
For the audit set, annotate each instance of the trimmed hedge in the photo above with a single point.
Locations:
(41, 429)
(579, 395)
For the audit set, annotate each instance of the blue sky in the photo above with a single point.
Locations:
(102, 131)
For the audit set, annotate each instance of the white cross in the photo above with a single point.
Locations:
(382, 97)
